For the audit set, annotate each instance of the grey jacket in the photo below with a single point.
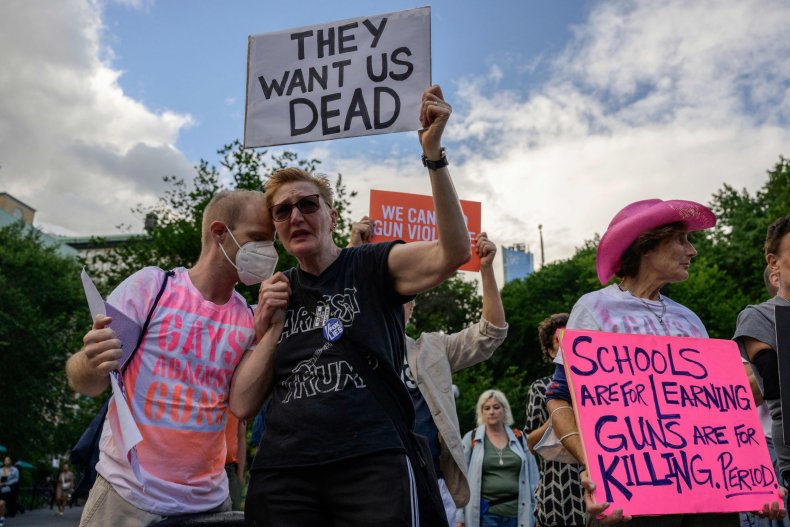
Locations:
(433, 358)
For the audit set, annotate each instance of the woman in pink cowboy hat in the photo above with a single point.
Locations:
(646, 247)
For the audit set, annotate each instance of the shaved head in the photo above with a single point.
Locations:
(228, 207)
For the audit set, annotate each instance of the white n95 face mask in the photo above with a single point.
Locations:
(255, 261)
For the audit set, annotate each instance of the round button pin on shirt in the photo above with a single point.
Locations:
(333, 330)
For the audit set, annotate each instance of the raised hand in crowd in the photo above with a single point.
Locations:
(486, 250)
(361, 232)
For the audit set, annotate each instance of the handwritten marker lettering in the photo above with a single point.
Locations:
(668, 423)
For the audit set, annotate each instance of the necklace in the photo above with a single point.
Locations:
(659, 316)
(500, 452)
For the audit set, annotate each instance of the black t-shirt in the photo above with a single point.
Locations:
(321, 410)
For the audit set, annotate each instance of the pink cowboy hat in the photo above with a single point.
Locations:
(642, 216)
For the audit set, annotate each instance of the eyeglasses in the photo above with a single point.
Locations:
(306, 205)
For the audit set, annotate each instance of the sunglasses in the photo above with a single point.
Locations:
(306, 205)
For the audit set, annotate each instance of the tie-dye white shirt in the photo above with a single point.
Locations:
(615, 311)
(177, 384)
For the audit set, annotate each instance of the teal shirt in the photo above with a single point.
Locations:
(500, 480)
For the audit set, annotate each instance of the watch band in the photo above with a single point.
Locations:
(439, 163)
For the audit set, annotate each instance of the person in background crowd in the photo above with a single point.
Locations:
(558, 496)
(502, 472)
(9, 489)
(63, 488)
(330, 452)
(749, 519)
(431, 360)
(235, 458)
(756, 335)
(646, 245)
(202, 323)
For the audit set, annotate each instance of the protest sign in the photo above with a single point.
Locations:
(353, 77)
(411, 217)
(668, 424)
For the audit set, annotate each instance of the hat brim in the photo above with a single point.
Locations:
(618, 238)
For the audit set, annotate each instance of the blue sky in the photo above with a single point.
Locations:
(564, 111)
(203, 55)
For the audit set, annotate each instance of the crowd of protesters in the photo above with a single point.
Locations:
(361, 426)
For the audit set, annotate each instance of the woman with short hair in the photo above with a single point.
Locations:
(331, 453)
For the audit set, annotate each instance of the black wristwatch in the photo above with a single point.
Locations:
(439, 163)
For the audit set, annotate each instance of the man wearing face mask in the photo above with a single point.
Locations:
(177, 381)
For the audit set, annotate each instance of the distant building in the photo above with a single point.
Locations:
(12, 211)
(16, 210)
(91, 246)
(518, 262)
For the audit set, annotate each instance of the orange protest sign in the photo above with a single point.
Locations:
(411, 217)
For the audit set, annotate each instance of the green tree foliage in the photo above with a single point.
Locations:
(174, 239)
(449, 307)
(724, 278)
(728, 273)
(42, 319)
(555, 288)
(518, 362)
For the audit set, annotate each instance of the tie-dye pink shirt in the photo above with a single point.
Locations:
(177, 384)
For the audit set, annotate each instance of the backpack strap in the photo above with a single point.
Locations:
(168, 274)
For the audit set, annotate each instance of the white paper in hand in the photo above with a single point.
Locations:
(95, 301)
(125, 431)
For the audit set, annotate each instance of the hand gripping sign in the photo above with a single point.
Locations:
(362, 76)
(411, 217)
(668, 424)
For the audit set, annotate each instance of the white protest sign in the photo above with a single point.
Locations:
(362, 76)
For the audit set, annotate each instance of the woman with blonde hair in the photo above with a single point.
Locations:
(502, 472)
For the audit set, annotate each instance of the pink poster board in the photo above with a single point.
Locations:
(668, 424)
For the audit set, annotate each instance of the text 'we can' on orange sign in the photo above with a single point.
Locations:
(411, 217)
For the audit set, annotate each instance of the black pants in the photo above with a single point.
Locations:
(374, 490)
(11, 504)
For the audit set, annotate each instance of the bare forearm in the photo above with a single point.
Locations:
(563, 421)
(453, 235)
(82, 379)
(493, 311)
(252, 381)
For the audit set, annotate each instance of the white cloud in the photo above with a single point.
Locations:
(654, 98)
(666, 99)
(72, 144)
